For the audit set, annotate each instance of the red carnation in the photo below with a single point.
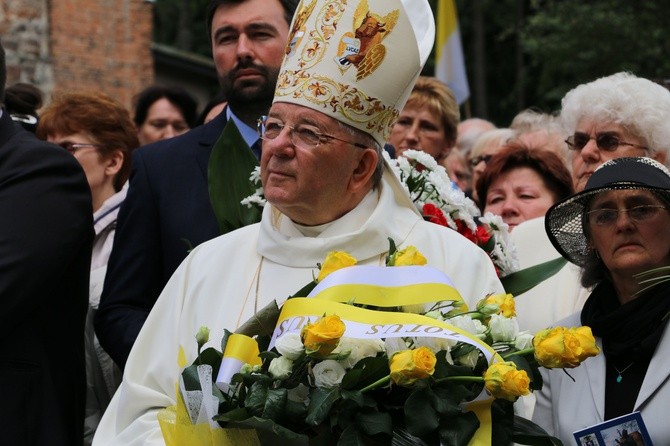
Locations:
(434, 214)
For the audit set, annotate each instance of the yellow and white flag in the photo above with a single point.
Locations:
(450, 64)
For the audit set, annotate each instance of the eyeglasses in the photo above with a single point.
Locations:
(301, 136)
(639, 214)
(478, 159)
(606, 141)
(72, 147)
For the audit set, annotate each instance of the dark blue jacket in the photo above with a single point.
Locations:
(166, 213)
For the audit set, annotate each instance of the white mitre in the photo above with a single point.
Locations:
(357, 61)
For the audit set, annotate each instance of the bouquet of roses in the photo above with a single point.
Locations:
(344, 366)
(440, 202)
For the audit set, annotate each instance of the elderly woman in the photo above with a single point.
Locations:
(428, 121)
(615, 230)
(521, 182)
(163, 112)
(99, 133)
(615, 116)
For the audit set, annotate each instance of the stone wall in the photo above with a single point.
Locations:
(24, 30)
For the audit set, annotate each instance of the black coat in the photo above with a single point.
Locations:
(167, 212)
(46, 232)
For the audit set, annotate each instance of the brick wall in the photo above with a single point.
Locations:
(102, 45)
(64, 45)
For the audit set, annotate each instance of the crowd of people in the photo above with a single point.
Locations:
(112, 256)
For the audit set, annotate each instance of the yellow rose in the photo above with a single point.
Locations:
(408, 257)
(504, 380)
(563, 347)
(321, 337)
(335, 260)
(409, 366)
(504, 302)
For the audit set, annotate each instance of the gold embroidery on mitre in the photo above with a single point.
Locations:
(364, 49)
(362, 111)
(298, 28)
(324, 28)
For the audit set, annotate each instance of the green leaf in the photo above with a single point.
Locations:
(255, 400)
(261, 323)
(527, 432)
(224, 339)
(230, 164)
(375, 422)
(351, 437)
(458, 430)
(440, 364)
(295, 411)
(365, 372)
(320, 403)
(237, 414)
(446, 399)
(304, 291)
(392, 250)
(522, 281)
(210, 357)
(358, 398)
(268, 355)
(275, 404)
(420, 416)
(272, 428)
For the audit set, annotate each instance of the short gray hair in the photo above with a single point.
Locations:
(639, 105)
(367, 140)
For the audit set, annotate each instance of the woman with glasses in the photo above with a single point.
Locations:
(100, 134)
(616, 230)
(612, 117)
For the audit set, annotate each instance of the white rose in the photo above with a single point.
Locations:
(359, 349)
(523, 340)
(469, 360)
(435, 344)
(394, 345)
(280, 368)
(290, 346)
(503, 329)
(472, 326)
(435, 314)
(328, 374)
(299, 394)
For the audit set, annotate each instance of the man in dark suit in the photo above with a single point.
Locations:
(46, 231)
(168, 210)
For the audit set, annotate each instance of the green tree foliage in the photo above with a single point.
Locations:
(181, 23)
(534, 51)
(571, 42)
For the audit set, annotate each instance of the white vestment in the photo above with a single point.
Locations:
(557, 297)
(224, 281)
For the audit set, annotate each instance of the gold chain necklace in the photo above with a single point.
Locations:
(255, 280)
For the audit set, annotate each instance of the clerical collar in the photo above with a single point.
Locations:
(249, 134)
(352, 219)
